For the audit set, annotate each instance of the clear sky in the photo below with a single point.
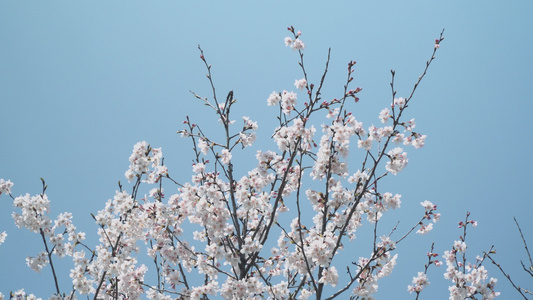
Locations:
(82, 81)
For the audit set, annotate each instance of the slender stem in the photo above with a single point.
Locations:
(524, 241)
(49, 254)
(517, 288)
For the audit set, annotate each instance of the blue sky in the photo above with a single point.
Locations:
(81, 82)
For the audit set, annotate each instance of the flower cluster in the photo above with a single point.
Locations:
(295, 43)
(21, 295)
(142, 158)
(247, 139)
(59, 236)
(398, 160)
(5, 186)
(300, 83)
(430, 214)
(289, 138)
(3, 236)
(34, 213)
(287, 99)
(419, 283)
(469, 282)
(468, 279)
(379, 265)
(334, 147)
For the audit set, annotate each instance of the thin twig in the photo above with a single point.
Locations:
(519, 289)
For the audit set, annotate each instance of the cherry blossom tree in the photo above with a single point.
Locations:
(274, 231)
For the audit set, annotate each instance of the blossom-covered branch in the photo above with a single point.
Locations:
(273, 231)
